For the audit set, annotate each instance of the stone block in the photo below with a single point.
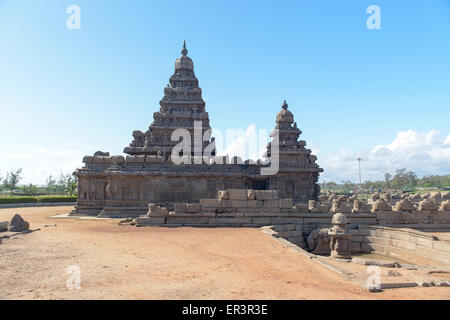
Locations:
(272, 204)
(222, 203)
(239, 203)
(266, 194)
(251, 194)
(180, 207)
(265, 221)
(251, 203)
(209, 203)
(237, 194)
(301, 207)
(193, 207)
(286, 203)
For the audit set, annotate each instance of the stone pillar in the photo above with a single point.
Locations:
(339, 237)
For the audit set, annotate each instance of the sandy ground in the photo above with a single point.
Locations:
(125, 262)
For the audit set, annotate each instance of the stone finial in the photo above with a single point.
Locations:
(284, 105)
(184, 52)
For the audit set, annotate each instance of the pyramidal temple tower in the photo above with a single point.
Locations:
(181, 105)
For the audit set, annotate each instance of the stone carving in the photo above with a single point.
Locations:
(436, 197)
(318, 241)
(360, 206)
(101, 153)
(375, 197)
(251, 195)
(339, 237)
(404, 205)
(341, 206)
(17, 224)
(428, 205)
(445, 205)
(416, 196)
(223, 195)
(381, 205)
(426, 195)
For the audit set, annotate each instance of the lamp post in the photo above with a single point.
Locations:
(359, 167)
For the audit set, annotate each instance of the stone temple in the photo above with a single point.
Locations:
(118, 186)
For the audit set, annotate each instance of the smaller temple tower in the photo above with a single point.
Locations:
(181, 105)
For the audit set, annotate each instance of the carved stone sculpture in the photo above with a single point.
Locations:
(339, 237)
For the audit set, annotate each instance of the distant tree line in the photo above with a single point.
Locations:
(64, 184)
(401, 180)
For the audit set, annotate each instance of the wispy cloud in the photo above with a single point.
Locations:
(423, 153)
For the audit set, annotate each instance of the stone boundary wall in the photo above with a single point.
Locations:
(403, 243)
(430, 221)
(26, 205)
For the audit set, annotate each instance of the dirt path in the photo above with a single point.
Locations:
(125, 262)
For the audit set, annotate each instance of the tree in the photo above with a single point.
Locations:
(49, 183)
(387, 179)
(12, 178)
(71, 184)
(30, 189)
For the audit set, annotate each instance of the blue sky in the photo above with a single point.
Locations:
(380, 94)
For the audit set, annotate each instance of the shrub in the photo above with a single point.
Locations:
(56, 199)
(18, 200)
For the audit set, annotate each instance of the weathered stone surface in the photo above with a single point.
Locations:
(339, 237)
(428, 205)
(359, 206)
(156, 211)
(251, 195)
(180, 207)
(18, 224)
(4, 226)
(341, 206)
(436, 197)
(318, 241)
(301, 207)
(237, 194)
(285, 203)
(446, 195)
(404, 205)
(193, 207)
(209, 203)
(266, 194)
(223, 195)
(445, 206)
(381, 205)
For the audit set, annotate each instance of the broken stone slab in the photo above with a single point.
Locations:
(425, 283)
(408, 266)
(373, 262)
(18, 224)
(4, 226)
(156, 211)
(442, 283)
(397, 285)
